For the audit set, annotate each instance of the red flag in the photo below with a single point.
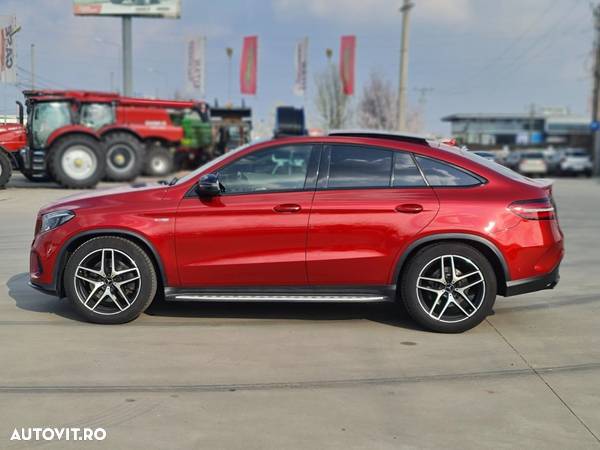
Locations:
(347, 58)
(248, 65)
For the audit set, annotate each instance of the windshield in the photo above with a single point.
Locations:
(210, 164)
(533, 156)
(48, 117)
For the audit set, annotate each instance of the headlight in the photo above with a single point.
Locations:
(55, 219)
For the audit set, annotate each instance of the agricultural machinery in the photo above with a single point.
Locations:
(77, 138)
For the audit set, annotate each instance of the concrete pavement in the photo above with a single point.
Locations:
(305, 376)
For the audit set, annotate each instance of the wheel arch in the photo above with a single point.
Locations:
(116, 130)
(75, 241)
(10, 155)
(487, 248)
(74, 130)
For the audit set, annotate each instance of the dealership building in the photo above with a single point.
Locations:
(547, 127)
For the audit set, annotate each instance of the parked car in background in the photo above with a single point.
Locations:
(349, 217)
(533, 163)
(512, 160)
(575, 161)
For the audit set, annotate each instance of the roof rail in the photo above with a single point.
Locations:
(389, 135)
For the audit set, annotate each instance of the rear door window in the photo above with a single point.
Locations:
(359, 167)
(406, 173)
(442, 174)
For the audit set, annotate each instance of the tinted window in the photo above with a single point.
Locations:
(96, 115)
(533, 156)
(440, 174)
(274, 169)
(406, 172)
(359, 167)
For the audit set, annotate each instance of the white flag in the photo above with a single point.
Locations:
(301, 62)
(8, 57)
(196, 65)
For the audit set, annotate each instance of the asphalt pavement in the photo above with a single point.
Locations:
(283, 376)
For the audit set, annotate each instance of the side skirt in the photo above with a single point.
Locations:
(285, 294)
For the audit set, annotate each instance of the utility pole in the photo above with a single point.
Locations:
(531, 123)
(405, 10)
(419, 118)
(127, 56)
(596, 100)
(32, 55)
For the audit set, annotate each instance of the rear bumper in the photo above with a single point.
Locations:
(532, 284)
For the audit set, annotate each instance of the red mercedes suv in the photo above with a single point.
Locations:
(349, 217)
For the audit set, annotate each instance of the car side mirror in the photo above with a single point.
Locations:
(209, 186)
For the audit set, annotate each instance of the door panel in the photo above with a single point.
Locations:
(355, 235)
(243, 240)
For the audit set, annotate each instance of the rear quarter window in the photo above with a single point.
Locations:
(440, 174)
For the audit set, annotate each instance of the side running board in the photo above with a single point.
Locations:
(177, 295)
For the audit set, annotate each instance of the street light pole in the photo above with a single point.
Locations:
(127, 56)
(405, 10)
(229, 52)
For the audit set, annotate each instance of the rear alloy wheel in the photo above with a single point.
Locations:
(124, 157)
(159, 161)
(449, 288)
(110, 280)
(5, 169)
(77, 162)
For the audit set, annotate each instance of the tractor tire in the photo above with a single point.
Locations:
(77, 162)
(159, 161)
(5, 169)
(124, 156)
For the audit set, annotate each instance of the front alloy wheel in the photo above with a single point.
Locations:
(448, 288)
(110, 280)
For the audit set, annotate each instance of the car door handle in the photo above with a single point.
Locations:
(287, 208)
(409, 208)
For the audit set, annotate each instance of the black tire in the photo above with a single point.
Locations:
(159, 161)
(87, 144)
(106, 310)
(5, 169)
(455, 320)
(124, 156)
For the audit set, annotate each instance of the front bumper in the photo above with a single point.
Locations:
(532, 284)
(48, 290)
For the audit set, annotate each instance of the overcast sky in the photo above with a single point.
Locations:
(476, 55)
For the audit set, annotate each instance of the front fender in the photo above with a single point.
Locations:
(71, 129)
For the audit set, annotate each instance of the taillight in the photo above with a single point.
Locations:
(536, 209)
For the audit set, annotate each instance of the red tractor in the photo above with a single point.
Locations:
(77, 138)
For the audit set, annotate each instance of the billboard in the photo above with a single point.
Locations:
(8, 63)
(148, 8)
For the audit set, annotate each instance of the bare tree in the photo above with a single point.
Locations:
(377, 106)
(332, 105)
